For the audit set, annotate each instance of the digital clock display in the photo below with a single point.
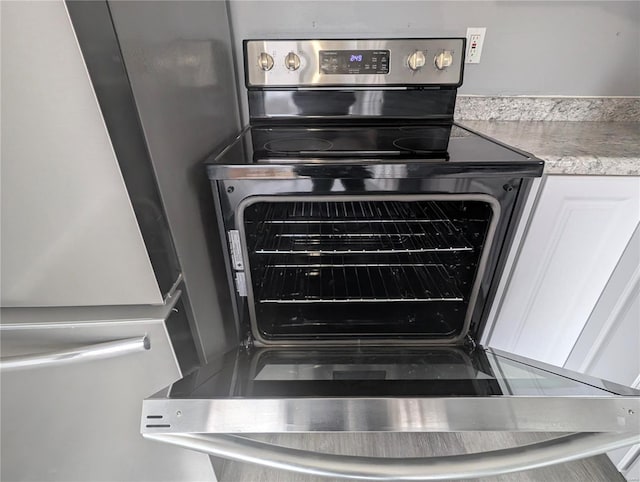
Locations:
(354, 62)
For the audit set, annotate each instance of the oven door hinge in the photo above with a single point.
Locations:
(235, 247)
(470, 343)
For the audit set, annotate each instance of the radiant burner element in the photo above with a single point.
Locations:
(298, 144)
(417, 144)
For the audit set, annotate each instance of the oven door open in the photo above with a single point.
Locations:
(395, 389)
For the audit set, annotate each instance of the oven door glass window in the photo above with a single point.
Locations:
(392, 389)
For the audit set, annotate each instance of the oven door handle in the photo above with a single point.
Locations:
(541, 454)
(97, 351)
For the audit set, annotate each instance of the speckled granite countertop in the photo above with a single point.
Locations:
(578, 148)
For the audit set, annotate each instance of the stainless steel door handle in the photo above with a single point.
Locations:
(97, 351)
(541, 454)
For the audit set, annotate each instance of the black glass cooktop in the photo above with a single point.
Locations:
(363, 143)
(350, 141)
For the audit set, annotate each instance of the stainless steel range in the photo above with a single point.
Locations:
(366, 236)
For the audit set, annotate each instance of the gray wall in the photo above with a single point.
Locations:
(178, 57)
(531, 48)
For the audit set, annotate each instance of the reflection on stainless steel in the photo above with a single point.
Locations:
(450, 467)
(98, 351)
(394, 414)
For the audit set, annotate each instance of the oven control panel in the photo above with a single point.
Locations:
(371, 62)
(357, 62)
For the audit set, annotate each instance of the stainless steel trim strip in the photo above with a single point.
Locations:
(98, 351)
(451, 467)
(410, 414)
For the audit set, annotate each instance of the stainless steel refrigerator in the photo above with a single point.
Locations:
(107, 281)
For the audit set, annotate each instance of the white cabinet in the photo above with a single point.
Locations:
(609, 345)
(575, 238)
(572, 297)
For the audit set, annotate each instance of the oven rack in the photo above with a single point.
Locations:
(332, 239)
(360, 283)
(356, 212)
(358, 227)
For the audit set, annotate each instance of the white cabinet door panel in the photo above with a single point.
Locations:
(576, 236)
(609, 345)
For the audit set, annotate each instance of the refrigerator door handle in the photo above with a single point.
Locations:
(96, 351)
(541, 454)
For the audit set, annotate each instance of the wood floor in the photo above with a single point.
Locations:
(594, 469)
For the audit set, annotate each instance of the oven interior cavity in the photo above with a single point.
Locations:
(363, 269)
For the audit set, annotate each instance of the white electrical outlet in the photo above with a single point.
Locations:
(475, 40)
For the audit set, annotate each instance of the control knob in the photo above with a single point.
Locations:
(443, 60)
(416, 60)
(292, 61)
(265, 61)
